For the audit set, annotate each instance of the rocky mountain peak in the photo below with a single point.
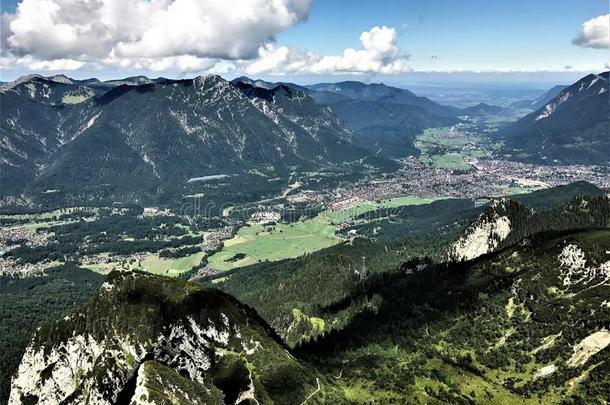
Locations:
(61, 79)
(506, 221)
(143, 331)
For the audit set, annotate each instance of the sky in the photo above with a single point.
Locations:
(306, 41)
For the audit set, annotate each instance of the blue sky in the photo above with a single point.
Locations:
(461, 33)
(434, 35)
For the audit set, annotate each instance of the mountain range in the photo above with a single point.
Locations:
(137, 137)
(140, 139)
(385, 119)
(484, 109)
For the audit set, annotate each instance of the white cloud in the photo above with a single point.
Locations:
(29, 63)
(281, 60)
(181, 34)
(380, 54)
(595, 33)
(56, 64)
(182, 63)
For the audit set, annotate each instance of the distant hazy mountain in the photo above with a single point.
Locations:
(379, 92)
(26, 78)
(50, 91)
(137, 135)
(573, 127)
(540, 101)
(270, 85)
(385, 118)
(133, 81)
(484, 109)
(256, 83)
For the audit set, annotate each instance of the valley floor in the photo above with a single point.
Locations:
(455, 162)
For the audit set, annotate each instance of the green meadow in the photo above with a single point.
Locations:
(153, 264)
(350, 214)
(442, 150)
(257, 243)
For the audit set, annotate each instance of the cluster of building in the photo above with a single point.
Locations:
(489, 178)
(10, 267)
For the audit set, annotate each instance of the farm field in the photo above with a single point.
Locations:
(171, 267)
(151, 263)
(449, 148)
(350, 214)
(516, 190)
(450, 162)
(257, 243)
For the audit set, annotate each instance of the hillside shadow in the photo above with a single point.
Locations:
(406, 300)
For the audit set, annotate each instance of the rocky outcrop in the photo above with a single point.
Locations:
(482, 238)
(144, 337)
(506, 222)
(487, 231)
